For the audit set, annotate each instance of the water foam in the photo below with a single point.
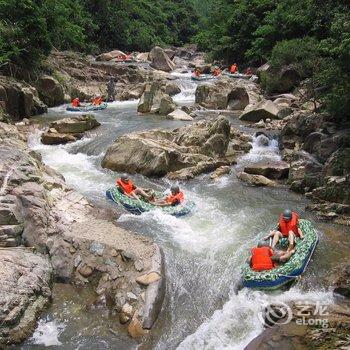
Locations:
(261, 152)
(237, 323)
(47, 333)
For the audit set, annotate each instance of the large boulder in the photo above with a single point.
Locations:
(50, 91)
(157, 152)
(160, 60)
(278, 170)
(25, 280)
(142, 57)
(52, 137)
(19, 100)
(75, 125)
(167, 105)
(264, 110)
(172, 89)
(68, 129)
(151, 98)
(227, 94)
(255, 180)
(304, 173)
(289, 78)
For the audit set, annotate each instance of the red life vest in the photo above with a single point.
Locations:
(76, 102)
(172, 199)
(127, 187)
(97, 101)
(261, 259)
(233, 69)
(291, 225)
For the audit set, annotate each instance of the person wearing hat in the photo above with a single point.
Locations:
(288, 228)
(126, 186)
(176, 197)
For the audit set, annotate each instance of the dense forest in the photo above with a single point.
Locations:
(312, 36)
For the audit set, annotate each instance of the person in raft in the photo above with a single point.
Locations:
(97, 100)
(176, 197)
(197, 73)
(263, 257)
(126, 187)
(216, 72)
(75, 102)
(234, 69)
(288, 228)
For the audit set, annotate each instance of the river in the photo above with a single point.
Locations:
(204, 252)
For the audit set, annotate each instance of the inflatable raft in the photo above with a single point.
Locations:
(293, 268)
(138, 207)
(87, 108)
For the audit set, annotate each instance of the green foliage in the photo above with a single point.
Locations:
(30, 28)
(311, 36)
(24, 39)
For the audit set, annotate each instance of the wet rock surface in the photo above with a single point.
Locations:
(157, 152)
(318, 151)
(26, 280)
(68, 129)
(37, 209)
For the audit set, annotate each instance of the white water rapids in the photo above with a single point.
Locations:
(204, 252)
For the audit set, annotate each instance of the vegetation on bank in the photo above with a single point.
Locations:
(29, 29)
(310, 36)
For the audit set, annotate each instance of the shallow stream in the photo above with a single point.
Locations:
(204, 252)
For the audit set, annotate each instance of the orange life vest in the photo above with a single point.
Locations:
(172, 199)
(261, 259)
(291, 225)
(76, 102)
(127, 187)
(97, 101)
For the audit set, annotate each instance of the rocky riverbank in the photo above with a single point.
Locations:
(49, 232)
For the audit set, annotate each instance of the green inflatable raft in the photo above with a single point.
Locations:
(88, 108)
(293, 268)
(138, 207)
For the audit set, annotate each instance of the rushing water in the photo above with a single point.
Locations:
(204, 252)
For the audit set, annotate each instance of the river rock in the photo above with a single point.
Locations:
(167, 105)
(263, 110)
(25, 292)
(158, 152)
(50, 91)
(126, 313)
(278, 170)
(255, 180)
(19, 100)
(160, 60)
(225, 93)
(288, 78)
(75, 125)
(52, 137)
(142, 57)
(179, 114)
(151, 98)
(172, 89)
(219, 172)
